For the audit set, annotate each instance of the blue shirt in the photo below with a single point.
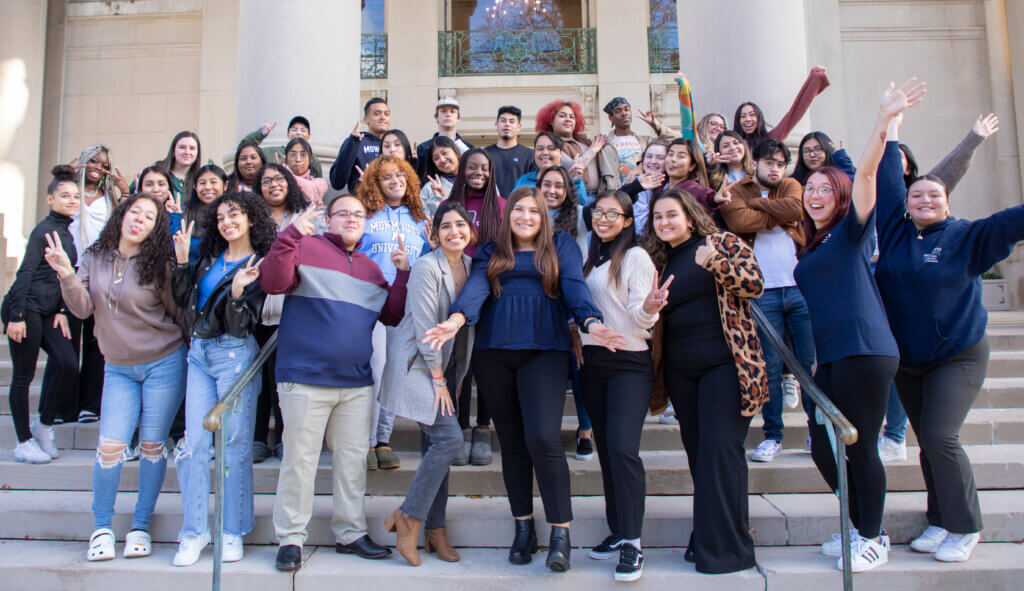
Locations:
(380, 238)
(217, 272)
(847, 316)
(525, 317)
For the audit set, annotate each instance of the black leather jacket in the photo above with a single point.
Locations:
(222, 314)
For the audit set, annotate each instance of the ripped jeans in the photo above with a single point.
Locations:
(153, 390)
(213, 366)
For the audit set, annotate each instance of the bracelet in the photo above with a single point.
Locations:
(590, 321)
(439, 381)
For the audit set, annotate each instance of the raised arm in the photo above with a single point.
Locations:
(74, 288)
(687, 119)
(954, 166)
(816, 83)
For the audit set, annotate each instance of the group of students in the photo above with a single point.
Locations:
(623, 264)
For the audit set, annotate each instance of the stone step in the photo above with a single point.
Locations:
(1006, 364)
(775, 519)
(995, 467)
(7, 370)
(34, 565)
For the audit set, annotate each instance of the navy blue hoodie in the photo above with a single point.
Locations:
(362, 152)
(930, 280)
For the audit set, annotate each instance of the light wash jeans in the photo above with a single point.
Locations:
(153, 390)
(213, 366)
(895, 418)
(383, 422)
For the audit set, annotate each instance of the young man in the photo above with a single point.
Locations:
(628, 145)
(511, 159)
(765, 210)
(446, 114)
(359, 149)
(298, 127)
(335, 295)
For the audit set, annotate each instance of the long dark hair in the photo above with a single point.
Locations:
(235, 178)
(195, 207)
(699, 174)
(842, 190)
(760, 131)
(410, 154)
(160, 170)
(800, 170)
(545, 259)
(306, 147)
(429, 168)
(168, 161)
(620, 244)
(294, 199)
(703, 223)
(911, 174)
(262, 230)
(490, 212)
(444, 208)
(565, 219)
(155, 251)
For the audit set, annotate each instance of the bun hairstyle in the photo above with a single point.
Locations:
(62, 173)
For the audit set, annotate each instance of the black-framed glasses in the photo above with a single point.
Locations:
(270, 180)
(609, 215)
(345, 214)
(815, 151)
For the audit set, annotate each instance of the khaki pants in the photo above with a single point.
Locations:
(310, 412)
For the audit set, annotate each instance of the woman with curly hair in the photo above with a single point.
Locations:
(600, 169)
(122, 281)
(222, 300)
(395, 220)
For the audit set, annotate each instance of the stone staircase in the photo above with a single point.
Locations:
(47, 515)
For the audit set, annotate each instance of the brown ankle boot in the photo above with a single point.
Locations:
(408, 533)
(437, 541)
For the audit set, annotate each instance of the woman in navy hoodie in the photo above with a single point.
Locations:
(928, 274)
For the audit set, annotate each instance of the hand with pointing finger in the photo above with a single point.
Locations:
(267, 126)
(245, 276)
(657, 298)
(183, 241)
(355, 131)
(400, 258)
(56, 257)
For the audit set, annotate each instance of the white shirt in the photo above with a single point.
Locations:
(775, 252)
(96, 216)
(622, 305)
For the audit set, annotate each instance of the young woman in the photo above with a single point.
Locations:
(181, 163)
(750, 122)
(709, 128)
(686, 171)
(211, 182)
(394, 220)
(222, 301)
(522, 288)
(617, 386)
(395, 143)
(929, 277)
(816, 152)
(713, 369)
(565, 119)
(123, 281)
(855, 350)
(34, 318)
(441, 168)
(732, 160)
(298, 154)
(249, 159)
(417, 379)
(652, 166)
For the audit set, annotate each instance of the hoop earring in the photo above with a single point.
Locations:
(906, 215)
(947, 213)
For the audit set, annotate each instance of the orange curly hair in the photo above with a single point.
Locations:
(373, 199)
(546, 115)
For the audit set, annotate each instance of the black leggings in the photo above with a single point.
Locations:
(617, 391)
(267, 401)
(87, 392)
(526, 392)
(24, 355)
(937, 402)
(483, 417)
(859, 387)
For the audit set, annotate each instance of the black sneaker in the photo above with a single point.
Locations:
(609, 548)
(631, 564)
(584, 447)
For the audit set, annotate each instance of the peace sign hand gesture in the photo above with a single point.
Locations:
(400, 258)
(56, 257)
(245, 276)
(173, 203)
(183, 241)
(304, 221)
(724, 195)
(657, 298)
(436, 187)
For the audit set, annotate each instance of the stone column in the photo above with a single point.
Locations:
(622, 58)
(825, 48)
(217, 79)
(299, 58)
(412, 65)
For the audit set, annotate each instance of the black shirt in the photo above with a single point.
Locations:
(692, 298)
(509, 165)
(36, 287)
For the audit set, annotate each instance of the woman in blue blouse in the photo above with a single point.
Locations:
(856, 353)
(518, 294)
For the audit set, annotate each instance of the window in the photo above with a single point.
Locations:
(663, 37)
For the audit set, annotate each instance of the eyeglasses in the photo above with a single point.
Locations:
(772, 163)
(822, 191)
(392, 177)
(815, 151)
(297, 155)
(345, 214)
(610, 215)
(270, 180)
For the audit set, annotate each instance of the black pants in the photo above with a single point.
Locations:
(87, 392)
(526, 392)
(937, 402)
(617, 390)
(267, 401)
(24, 355)
(859, 387)
(483, 417)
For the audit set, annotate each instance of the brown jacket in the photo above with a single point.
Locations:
(737, 280)
(748, 212)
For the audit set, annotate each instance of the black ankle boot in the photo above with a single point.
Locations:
(558, 553)
(524, 544)
(690, 555)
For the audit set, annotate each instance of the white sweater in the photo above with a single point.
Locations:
(622, 305)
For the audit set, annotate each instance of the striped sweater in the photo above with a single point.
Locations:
(334, 297)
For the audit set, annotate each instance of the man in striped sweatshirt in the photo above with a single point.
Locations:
(335, 295)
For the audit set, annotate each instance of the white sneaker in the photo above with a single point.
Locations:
(891, 451)
(834, 547)
(44, 436)
(232, 551)
(929, 540)
(669, 411)
(790, 391)
(30, 453)
(957, 547)
(189, 549)
(766, 451)
(867, 554)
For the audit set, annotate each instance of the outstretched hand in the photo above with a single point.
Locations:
(56, 257)
(896, 100)
(445, 331)
(986, 125)
(604, 336)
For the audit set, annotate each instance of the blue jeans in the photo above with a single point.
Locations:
(895, 418)
(213, 366)
(577, 394)
(154, 390)
(786, 309)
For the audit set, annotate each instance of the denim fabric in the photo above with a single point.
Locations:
(577, 395)
(895, 418)
(440, 443)
(786, 309)
(154, 390)
(213, 366)
(383, 421)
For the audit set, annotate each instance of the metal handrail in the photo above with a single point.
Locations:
(844, 433)
(214, 421)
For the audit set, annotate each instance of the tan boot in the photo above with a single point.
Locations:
(408, 533)
(437, 541)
